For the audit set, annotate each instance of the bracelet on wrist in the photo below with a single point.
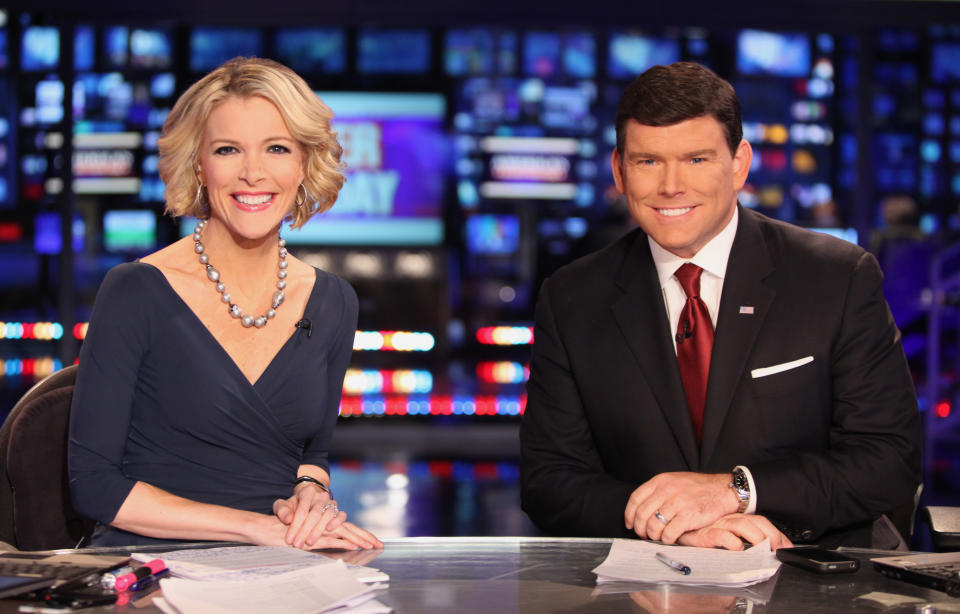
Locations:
(311, 480)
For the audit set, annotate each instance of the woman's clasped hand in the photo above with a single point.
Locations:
(312, 520)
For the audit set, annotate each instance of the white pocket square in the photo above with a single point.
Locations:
(784, 366)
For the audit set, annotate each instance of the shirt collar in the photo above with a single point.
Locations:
(712, 257)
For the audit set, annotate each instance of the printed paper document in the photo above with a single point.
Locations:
(635, 560)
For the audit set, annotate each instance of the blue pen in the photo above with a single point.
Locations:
(678, 566)
(148, 581)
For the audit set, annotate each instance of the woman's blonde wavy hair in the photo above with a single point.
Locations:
(306, 116)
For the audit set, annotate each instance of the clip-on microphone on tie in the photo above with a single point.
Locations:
(686, 333)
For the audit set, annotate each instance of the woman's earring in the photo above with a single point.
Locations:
(300, 201)
(200, 197)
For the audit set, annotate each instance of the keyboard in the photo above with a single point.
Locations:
(940, 571)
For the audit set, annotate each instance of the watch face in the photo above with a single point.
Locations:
(740, 481)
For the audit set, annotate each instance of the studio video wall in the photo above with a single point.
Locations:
(478, 162)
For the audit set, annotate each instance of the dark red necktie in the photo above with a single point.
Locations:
(694, 344)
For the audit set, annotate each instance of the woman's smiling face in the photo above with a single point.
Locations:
(251, 166)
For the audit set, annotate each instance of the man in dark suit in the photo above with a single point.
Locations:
(760, 391)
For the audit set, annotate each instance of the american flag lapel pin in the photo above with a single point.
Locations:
(746, 310)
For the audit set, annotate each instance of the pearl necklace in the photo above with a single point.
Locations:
(214, 275)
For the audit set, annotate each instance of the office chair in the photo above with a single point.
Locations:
(894, 529)
(36, 511)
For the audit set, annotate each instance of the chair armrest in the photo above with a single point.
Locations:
(944, 527)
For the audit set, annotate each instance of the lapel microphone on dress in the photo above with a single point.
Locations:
(686, 333)
(306, 324)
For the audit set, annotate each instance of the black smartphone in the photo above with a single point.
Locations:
(818, 560)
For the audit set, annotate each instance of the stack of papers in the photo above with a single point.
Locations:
(250, 562)
(264, 580)
(633, 560)
(319, 589)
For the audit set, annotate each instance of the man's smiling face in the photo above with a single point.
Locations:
(680, 181)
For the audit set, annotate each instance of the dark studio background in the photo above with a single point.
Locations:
(456, 214)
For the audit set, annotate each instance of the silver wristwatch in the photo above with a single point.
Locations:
(741, 487)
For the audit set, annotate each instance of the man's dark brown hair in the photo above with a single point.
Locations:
(667, 95)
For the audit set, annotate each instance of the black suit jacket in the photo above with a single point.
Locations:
(831, 444)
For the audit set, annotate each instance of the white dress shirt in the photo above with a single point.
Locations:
(712, 258)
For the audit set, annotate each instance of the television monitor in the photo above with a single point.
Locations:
(8, 162)
(116, 46)
(629, 54)
(468, 51)
(210, 47)
(162, 85)
(398, 51)
(507, 53)
(103, 96)
(46, 233)
(697, 45)
(49, 101)
(132, 230)
(541, 54)
(83, 48)
(113, 102)
(40, 48)
(33, 166)
(396, 153)
(493, 234)
(525, 168)
(568, 109)
(945, 61)
(765, 100)
(486, 105)
(898, 40)
(579, 55)
(309, 50)
(103, 163)
(773, 54)
(150, 48)
(151, 189)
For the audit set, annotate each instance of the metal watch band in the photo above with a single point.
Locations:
(741, 487)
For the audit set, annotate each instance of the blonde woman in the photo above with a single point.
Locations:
(211, 374)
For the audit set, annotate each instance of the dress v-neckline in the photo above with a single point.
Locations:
(216, 342)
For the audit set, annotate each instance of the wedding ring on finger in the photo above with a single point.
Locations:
(660, 517)
(330, 506)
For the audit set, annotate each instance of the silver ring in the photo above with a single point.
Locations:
(660, 517)
(330, 506)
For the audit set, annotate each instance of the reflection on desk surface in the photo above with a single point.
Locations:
(504, 575)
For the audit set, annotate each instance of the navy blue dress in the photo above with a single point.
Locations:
(159, 400)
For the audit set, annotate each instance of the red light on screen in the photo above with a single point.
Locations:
(80, 330)
(440, 469)
(485, 471)
(33, 191)
(351, 406)
(943, 409)
(10, 232)
(775, 160)
(505, 335)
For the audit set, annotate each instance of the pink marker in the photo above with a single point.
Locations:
(124, 581)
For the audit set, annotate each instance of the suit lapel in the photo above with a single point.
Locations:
(743, 286)
(642, 319)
